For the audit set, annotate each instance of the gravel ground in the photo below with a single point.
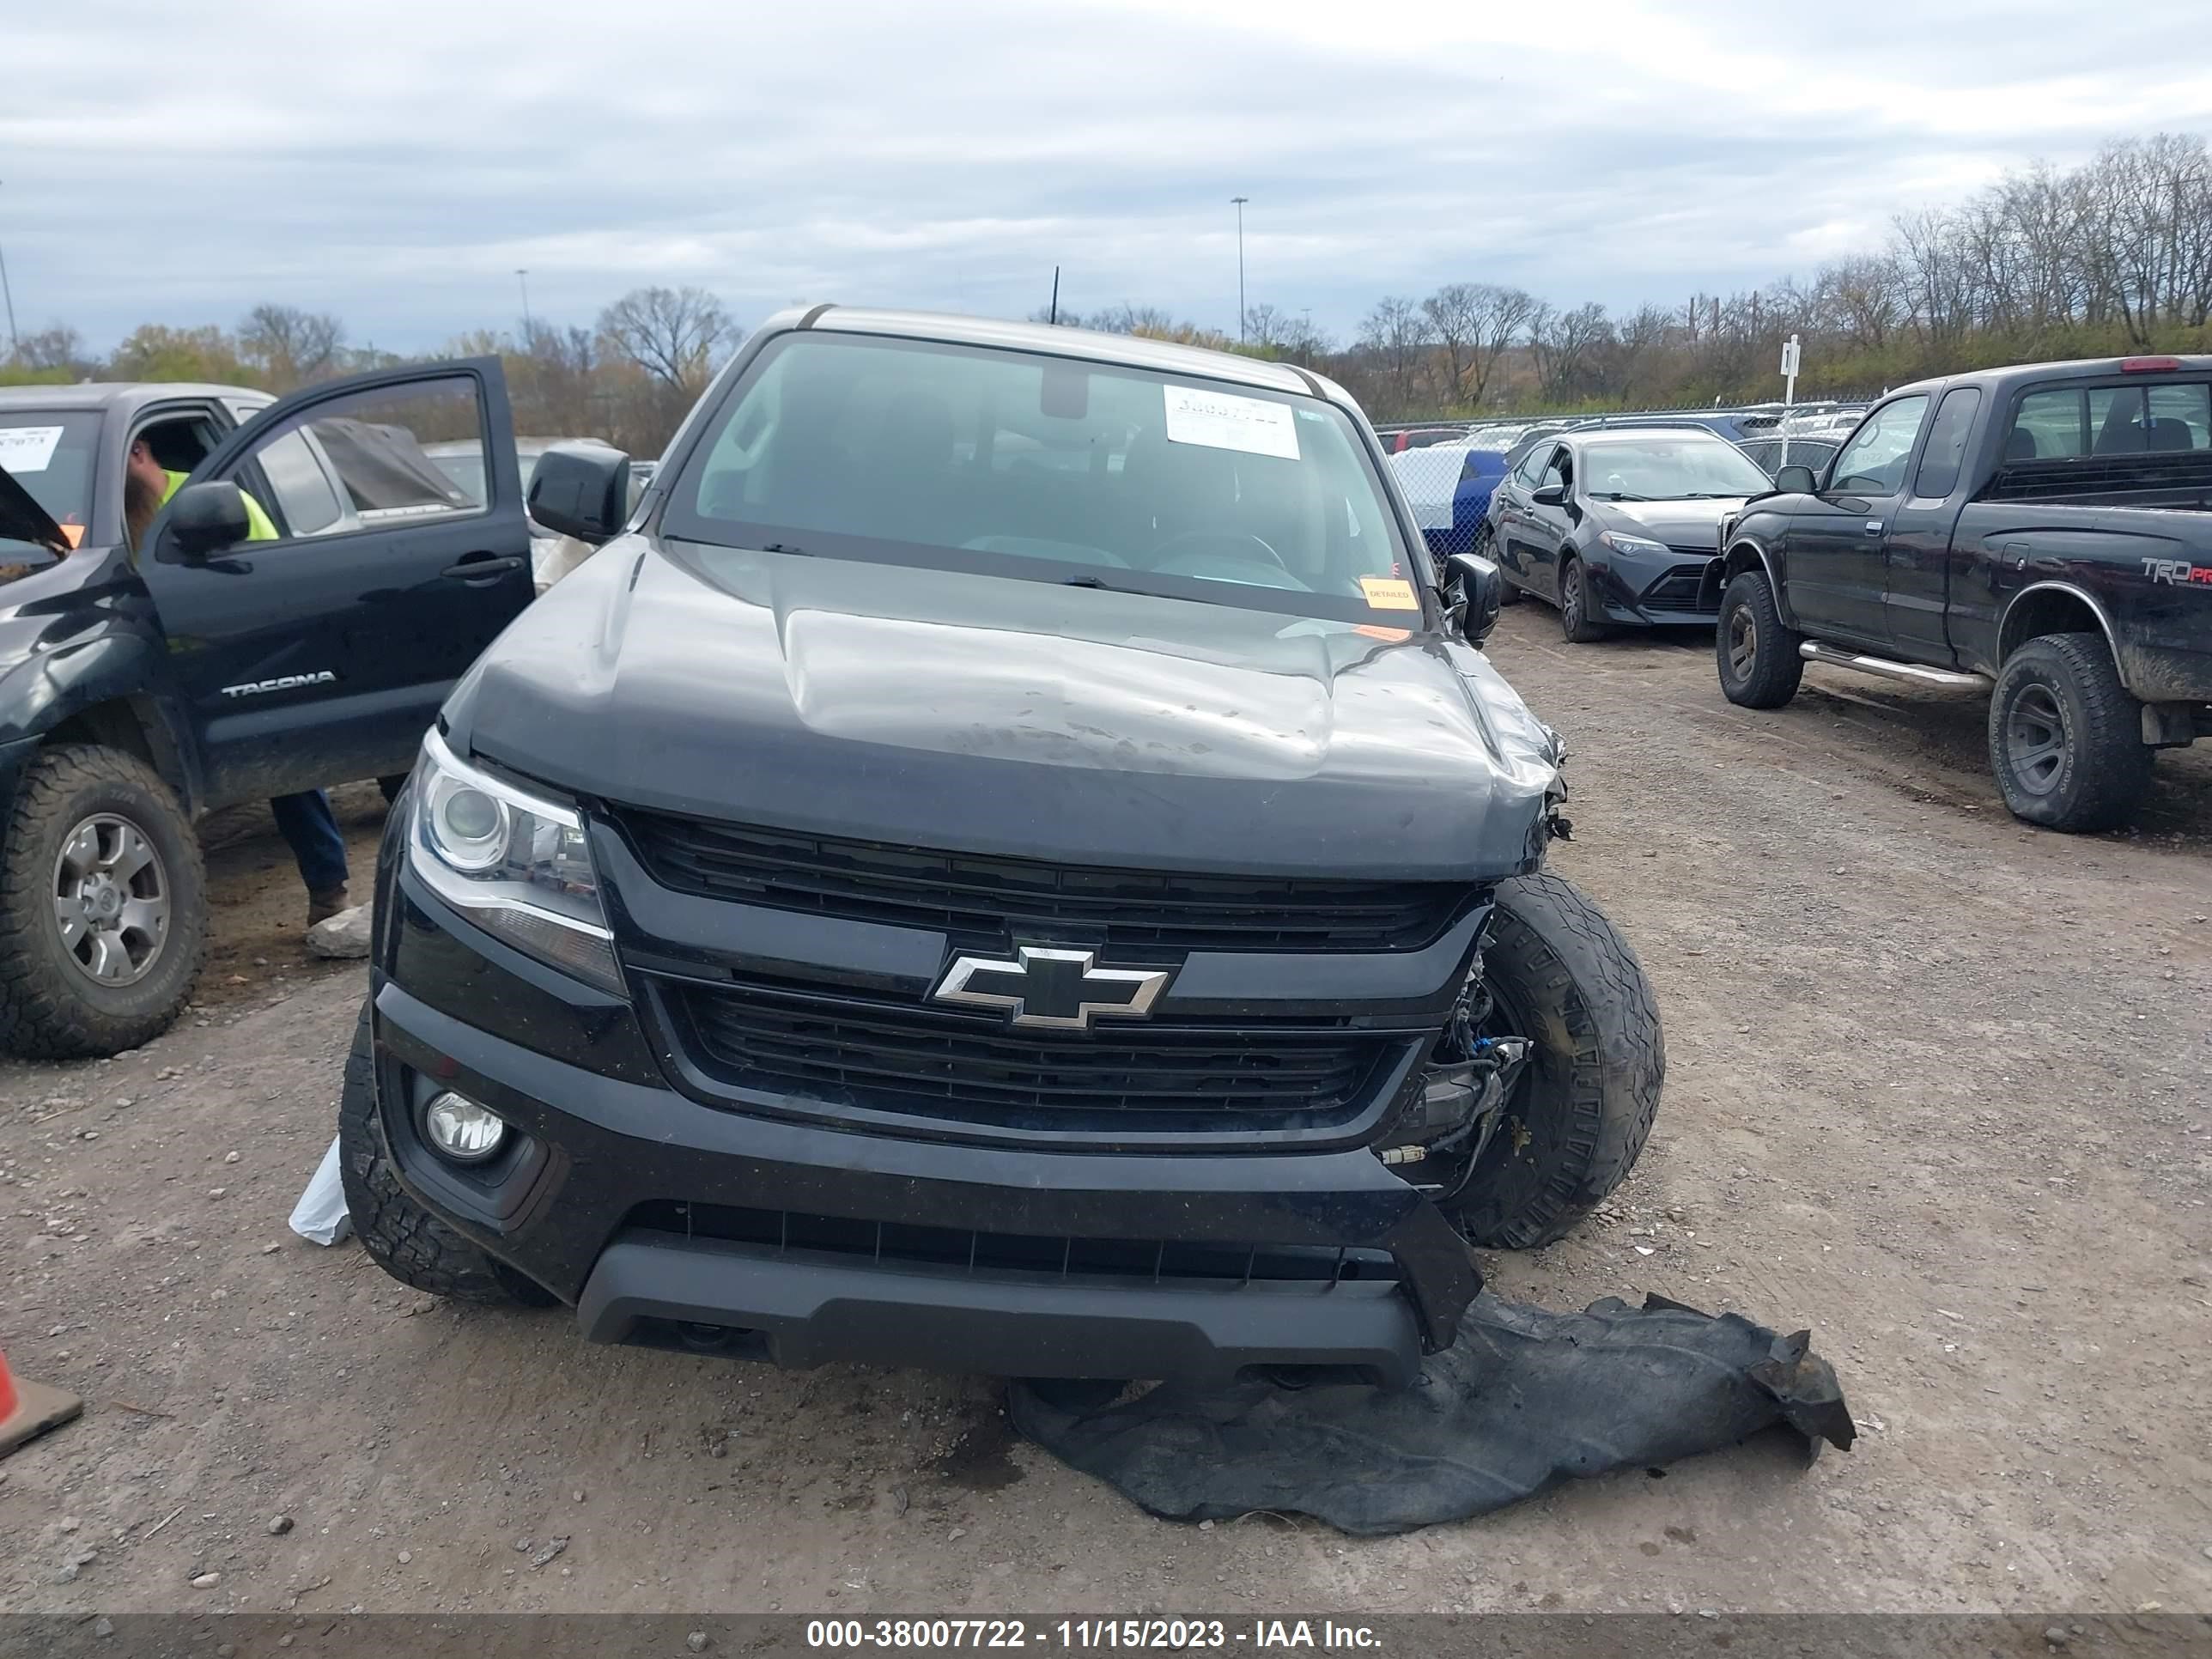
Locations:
(1938, 1090)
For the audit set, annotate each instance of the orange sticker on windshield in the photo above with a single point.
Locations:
(1384, 594)
(73, 534)
(1388, 635)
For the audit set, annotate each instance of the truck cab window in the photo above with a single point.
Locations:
(2074, 424)
(373, 444)
(1945, 456)
(1873, 463)
(305, 502)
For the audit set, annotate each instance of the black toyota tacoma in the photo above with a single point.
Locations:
(2043, 532)
(157, 661)
(1004, 863)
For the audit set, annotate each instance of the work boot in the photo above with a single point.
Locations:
(322, 906)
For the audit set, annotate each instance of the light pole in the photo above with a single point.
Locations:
(14, 341)
(1239, 202)
(522, 276)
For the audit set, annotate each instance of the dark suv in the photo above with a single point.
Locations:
(1005, 862)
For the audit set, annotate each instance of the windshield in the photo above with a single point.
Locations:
(1669, 470)
(52, 456)
(1010, 462)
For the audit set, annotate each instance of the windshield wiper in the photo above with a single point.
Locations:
(783, 547)
(1618, 496)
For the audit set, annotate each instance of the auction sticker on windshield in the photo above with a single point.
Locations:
(1385, 594)
(27, 448)
(1222, 420)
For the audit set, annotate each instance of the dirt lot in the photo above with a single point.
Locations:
(1939, 1089)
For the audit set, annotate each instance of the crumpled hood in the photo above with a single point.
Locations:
(1678, 524)
(997, 715)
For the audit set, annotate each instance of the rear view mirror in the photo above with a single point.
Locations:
(1797, 480)
(1550, 496)
(580, 492)
(204, 519)
(1482, 591)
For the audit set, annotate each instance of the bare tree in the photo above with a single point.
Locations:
(56, 347)
(1126, 318)
(675, 335)
(289, 347)
(1264, 326)
(1476, 323)
(1398, 336)
(1568, 347)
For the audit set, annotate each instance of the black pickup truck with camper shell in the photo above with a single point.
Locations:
(2045, 531)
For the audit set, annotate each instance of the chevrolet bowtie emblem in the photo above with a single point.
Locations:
(1063, 989)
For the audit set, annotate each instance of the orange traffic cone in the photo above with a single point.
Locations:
(30, 1408)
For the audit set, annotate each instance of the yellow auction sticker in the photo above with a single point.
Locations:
(1388, 593)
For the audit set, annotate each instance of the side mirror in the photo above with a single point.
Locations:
(1797, 480)
(1482, 591)
(204, 519)
(1550, 496)
(584, 493)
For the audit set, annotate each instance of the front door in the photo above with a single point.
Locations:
(1917, 555)
(1539, 530)
(1832, 547)
(322, 656)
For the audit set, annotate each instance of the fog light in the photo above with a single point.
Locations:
(462, 1130)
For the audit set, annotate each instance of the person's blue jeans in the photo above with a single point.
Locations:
(310, 828)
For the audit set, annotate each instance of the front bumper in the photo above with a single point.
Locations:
(1656, 593)
(669, 1222)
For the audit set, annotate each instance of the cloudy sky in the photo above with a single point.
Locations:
(396, 161)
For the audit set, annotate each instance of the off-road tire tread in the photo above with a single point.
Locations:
(2111, 763)
(39, 1019)
(1777, 670)
(402, 1237)
(1594, 1007)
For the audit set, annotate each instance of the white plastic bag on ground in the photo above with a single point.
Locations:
(320, 1214)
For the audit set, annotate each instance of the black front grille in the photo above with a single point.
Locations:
(974, 897)
(885, 1056)
(967, 1250)
(1678, 589)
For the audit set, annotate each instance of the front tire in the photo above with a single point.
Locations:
(2065, 737)
(1756, 654)
(1575, 605)
(103, 907)
(402, 1237)
(1561, 976)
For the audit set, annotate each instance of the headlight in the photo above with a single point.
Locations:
(517, 867)
(1643, 544)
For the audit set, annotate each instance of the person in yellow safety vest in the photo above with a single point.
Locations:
(148, 485)
(305, 820)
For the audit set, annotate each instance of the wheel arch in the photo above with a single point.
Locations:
(103, 692)
(2052, 607)
(135, 726)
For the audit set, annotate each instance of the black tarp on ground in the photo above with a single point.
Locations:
(1524, 1399)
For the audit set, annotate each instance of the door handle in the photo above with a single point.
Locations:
(478, 569)
(1874, 526)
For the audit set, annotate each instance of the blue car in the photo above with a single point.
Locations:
(1449, 487)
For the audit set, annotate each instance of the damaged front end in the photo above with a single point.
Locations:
(1454, 1109)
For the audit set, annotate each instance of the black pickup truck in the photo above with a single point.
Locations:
(1008, 863)
(147, 678)
(2043, 530)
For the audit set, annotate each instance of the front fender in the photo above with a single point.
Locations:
(53, 668)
